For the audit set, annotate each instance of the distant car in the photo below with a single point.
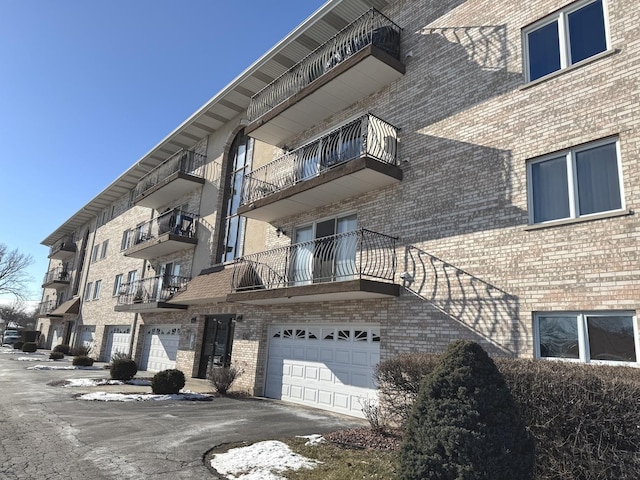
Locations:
(10, 337)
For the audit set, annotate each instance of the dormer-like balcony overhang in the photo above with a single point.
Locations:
(57, 278)
(63, 249)
(357, 158)
(179, 175)
(171, 232)
(356, 265)
(358, 61)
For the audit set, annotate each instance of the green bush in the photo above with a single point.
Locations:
(465, 424)
(222, 378)
(584, 417)
(29, 347)
(66, 349)
(82, 361)
(18, 345)
(56, 356)
(123, 369)
(167, 382)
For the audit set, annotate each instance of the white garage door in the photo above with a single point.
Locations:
(56, 335)
(118, 341)
(327, 367)
(160, 347)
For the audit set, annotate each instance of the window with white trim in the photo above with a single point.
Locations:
(587, 336)
(575, 183)
(117, 283)
(94, 253)
(96, 289)
(564, 38)
(103, 251)
(87, 292)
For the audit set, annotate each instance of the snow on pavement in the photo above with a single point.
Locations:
(260, 461)
(142, 397)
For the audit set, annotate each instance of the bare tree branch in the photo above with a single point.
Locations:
(13, 272)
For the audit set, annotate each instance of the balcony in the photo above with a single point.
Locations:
(171, 232)
(358, 61)
(45, 308)
(348, 266)
(57, 278)
(357, 158)
(177, 176)
(63, 249)
(150, 294)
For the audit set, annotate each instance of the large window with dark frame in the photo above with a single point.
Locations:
(240, 157)
(564, 38)
(587, 336)
(575, 183)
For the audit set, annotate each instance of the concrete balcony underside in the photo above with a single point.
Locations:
(360, 289)
(56, 284)
(366, 72)
(165, 244)
(169, 190)
(346, 180)
(149, 307)
(63, 253)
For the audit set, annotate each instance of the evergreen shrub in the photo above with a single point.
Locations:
(168, 382)
(465, 425)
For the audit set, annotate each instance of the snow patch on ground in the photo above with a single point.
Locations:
(142, 397)
(28, 359)
(62, 367)
(313, 440)
(98, 382)
(260, 461)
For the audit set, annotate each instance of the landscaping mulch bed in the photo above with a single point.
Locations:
(366, 438)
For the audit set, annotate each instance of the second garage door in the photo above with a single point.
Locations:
(327, 367)
(118, 338)
(160, 347)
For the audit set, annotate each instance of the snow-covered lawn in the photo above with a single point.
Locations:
(143, 397)
(64, 367)
(98, 382)
(260, 461)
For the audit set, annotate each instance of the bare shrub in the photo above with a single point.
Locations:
(222, 378)
(374, 414)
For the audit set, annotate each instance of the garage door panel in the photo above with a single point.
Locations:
(160, 348)
(323, 367)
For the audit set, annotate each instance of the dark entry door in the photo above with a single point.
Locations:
(216, 344)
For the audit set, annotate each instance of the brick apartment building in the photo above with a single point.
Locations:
(391, 176)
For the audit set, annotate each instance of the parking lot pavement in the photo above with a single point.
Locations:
(46, 433)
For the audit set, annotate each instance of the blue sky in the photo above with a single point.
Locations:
(87, 88)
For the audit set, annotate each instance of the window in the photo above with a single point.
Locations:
(240, 156)
(564, 38)
(117, 283)
(575, 183)
(96, 289)
(94, 253)
(587, 337)
(324, 251)
(87, 292)
(124, 243)
(103, 252)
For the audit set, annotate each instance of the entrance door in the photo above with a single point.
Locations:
(166, 281)
(216, 344)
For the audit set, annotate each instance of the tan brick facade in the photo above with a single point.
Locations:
(469, 126)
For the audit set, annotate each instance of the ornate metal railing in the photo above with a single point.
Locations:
(345, 256)
(67, 244)
(150, 289)
(186, 161)
(46, 307)
(176, 222)
(367, 136)
(58, 274)
(372, 28)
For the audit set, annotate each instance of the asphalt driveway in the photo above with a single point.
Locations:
(46, 433)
